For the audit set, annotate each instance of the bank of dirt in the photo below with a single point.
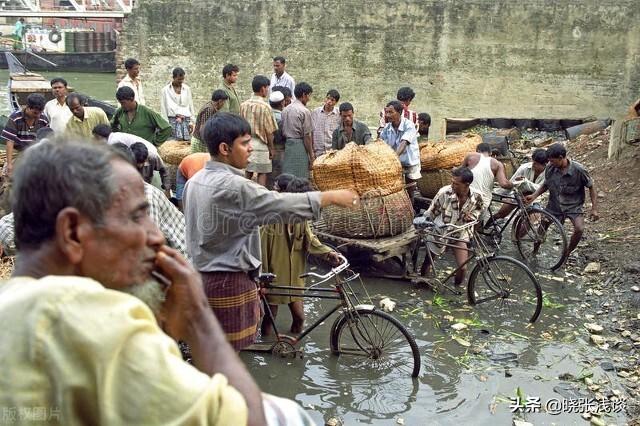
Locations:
(612, 244)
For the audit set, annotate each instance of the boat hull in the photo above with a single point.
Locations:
(71, 62)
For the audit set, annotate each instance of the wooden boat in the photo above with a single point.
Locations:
(23, 82)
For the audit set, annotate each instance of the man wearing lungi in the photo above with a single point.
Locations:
(223, 212)
(297, 130)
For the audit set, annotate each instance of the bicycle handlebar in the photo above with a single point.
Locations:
(423, 224)
(344, 264)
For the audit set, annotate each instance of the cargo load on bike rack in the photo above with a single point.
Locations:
(438, 159)
(172, 152)
(375, 173)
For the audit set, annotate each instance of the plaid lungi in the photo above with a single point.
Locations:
(234, 299)
(198, 146)
(180, 131)
(296, 159)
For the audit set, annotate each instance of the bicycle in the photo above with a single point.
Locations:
(361, 336)
(500, 285)
(538, 236)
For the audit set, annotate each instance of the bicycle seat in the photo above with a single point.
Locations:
(266, 278)
(422, 223)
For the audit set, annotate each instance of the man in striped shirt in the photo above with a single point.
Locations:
(325, 119)
(21, 128)
(257, 112)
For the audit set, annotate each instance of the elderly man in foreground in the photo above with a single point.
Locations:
(77, 334)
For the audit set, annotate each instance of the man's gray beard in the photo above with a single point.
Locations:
(150, 292)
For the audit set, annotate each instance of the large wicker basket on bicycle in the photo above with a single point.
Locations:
(360, 168)
(172, 153)
(375, 173)
(376, 216)
(432, 180)
(447, 154)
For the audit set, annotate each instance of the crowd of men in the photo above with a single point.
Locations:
(90, 326)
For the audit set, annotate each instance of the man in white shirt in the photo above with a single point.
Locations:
(102, 133)
(280, 77)
(528, 178)
(176, 106)
(56, 110)
(132, 79)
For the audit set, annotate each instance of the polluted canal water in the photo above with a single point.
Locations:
(472, 373)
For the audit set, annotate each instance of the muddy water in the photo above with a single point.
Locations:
(467, 377)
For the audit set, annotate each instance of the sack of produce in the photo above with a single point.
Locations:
(361, 168)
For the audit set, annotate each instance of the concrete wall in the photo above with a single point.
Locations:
(474, 58)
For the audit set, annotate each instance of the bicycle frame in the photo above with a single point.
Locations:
(348, 299)
(449, 242)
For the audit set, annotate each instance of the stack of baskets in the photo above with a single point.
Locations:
(172, 153)
(438, 159)
(375, 173)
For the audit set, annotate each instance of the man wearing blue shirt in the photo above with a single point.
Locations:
(401, 135)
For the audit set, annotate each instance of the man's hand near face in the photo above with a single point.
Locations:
(187, 316)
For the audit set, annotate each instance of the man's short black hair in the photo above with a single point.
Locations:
(285, 91)
(302, 89)
(36, 101)
(396, 105)
(557, 150)
(125, 93)
(464, 173)
(280, 59)
(130, 63)
(258, 82)
(405, 94)
(72, 96)
(333, 94)
(103, 130)
(425, 118)
(140, 152)
(219, 95)
(345, 106)
(483, 147)
(224, 127)
(125, 150)
(228, 69)
(540, 156)
(58, 80)
(177, 72)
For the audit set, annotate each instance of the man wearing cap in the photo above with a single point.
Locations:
(258, 113)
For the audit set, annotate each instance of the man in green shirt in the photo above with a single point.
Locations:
(84, 118)
(138, 119)
(230, 76)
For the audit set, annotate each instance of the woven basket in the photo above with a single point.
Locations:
(172, 152)
(448, 154)
(432, 180)
(377, 216)
(361, 168)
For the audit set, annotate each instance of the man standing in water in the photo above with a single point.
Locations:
(566, 180)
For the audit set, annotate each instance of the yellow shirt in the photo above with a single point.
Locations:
(92, 117)
(74, 352)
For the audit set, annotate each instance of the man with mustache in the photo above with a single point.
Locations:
(74, 337)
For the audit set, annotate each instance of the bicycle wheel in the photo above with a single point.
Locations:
(375, 341)
(540, 238)
(503, 290)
